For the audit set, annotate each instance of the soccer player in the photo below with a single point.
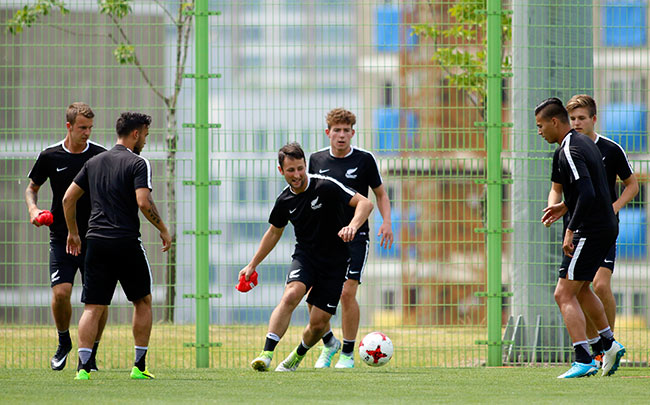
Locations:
(314, 204)
(60, 163)
(590, 233)
(118, 183)
(582, 114)
(357, 169)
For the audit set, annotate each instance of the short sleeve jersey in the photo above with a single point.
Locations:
(111, 180)
(60, 165)
(357, 170)
(578, 158)
(616, 163)
(316, 215)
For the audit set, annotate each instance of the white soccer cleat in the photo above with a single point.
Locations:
(612, 359)
(291, 363)
(345, 361)
(263, 361)
(327, 353)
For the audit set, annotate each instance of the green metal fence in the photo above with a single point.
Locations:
(443, 92)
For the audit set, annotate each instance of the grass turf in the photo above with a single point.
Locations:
(360, 386)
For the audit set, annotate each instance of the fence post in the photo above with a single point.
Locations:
(494, 181)
(201, 145)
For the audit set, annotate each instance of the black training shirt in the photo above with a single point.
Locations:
(578, 167)
(60, 165)
(111, 180)
(616, 163)
(317, 216)
(357, 170)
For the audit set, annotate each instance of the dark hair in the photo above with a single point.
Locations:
(292, 150)
(552, 108)
(129, 121)
(78, 108)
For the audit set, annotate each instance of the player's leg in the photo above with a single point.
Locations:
(136, 280)
(614, 351)
(142, 322)
(79, 263)
(298, 283)
(603, 289)
(100, 331)
(318, 322)
(566, 298)
(62, 272)
(350, 315)
(99, 285)
(88, 326)
(62, 312)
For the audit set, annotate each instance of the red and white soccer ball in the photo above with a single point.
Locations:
(376, 349)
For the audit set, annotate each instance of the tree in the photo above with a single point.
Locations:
(126, 54)
(460, 50)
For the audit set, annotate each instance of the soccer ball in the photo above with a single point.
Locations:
(376, 349)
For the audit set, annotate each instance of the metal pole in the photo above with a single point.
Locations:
(494, 181)
(201, 36)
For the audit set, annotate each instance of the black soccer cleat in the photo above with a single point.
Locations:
(60, 357)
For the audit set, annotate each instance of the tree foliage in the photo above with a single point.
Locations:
(460, 48)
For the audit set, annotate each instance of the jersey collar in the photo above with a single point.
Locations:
(336, 157)
(68, 150)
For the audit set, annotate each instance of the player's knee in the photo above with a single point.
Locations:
(348, 297)
(602, 289)
(61, 295)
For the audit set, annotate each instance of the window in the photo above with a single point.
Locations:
(624, 23)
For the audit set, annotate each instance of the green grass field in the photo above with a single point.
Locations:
(363, 385)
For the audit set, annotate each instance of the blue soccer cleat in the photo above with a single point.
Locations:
(578, 370)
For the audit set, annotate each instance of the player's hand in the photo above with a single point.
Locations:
(386, 233)
(246, 272)
(33, 214)
(73, 245)
(166, 240)
(347, 233)
(554, 212)
(567, 244)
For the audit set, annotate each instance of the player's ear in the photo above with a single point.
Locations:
(280, 170)
(68, 125)
(595, 118)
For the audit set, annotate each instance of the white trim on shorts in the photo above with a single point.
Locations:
(146, 259)
(576, 254)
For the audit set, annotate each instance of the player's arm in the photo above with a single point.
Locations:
(631, 190)
(72, 195)
(363, 208)
(555, 208)
(31, 199)
(150, 211)
(269, 240)
(386, 228)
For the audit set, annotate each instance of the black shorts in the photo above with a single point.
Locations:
(588, 256)
(358, 248)
(610, 259)
(111, 260)
(325, 280)
(63, 266)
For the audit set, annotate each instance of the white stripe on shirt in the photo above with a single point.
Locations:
(567, 154)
